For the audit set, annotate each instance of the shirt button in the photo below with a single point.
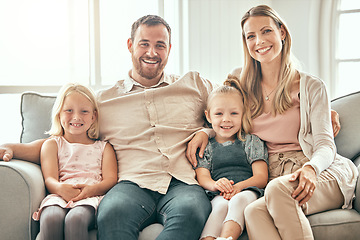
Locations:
(281, 155)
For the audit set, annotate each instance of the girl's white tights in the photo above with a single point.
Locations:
(227, 210)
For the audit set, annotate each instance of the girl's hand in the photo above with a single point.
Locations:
(67, 191)
(307, 184)
(200, 140)
(224, 185)
(86, 191)
(237, 189)
(6, 153)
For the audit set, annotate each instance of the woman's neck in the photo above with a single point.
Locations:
(270, 73)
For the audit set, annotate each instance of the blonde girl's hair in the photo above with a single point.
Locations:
(222, 90)
(233, 82)
(56, 128)
(250, 77)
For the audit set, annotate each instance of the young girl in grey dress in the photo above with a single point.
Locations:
(234, 168)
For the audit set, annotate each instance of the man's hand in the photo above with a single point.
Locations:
(6, 153)
(200, 140)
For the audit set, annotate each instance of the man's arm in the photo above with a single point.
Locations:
(24, 151)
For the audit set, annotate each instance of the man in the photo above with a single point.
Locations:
(149, 117)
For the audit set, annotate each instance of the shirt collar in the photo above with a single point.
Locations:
(129, 82)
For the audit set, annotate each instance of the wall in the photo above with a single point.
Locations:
(215, 46)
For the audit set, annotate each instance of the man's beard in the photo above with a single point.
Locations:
(144, 72)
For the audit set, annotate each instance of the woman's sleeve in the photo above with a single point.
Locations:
(319, 125)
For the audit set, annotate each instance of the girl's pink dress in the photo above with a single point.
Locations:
(78, 164)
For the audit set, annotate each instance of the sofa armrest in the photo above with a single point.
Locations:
(23, 189)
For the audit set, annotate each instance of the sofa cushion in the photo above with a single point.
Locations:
(335, 224)
(36, 116)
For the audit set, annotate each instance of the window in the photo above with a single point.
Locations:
(46, 43)
(43, 43)
(347, 55)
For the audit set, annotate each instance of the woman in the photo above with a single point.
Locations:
(290, 111)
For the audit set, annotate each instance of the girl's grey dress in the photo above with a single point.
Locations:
(233, 160)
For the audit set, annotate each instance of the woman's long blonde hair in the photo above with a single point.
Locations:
(250, 77)
(56, 128)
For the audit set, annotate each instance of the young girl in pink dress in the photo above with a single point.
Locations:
(78, 169)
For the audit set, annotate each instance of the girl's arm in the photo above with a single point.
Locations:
(204, 178)
(109, 174)
(50, 170)
(24, 151)
(259, 178)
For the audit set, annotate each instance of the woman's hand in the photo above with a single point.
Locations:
(335, 122)
(307, 184)
(200, 140)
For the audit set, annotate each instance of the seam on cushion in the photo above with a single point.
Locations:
(335, 224)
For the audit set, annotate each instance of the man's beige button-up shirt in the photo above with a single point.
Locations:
(149, 128)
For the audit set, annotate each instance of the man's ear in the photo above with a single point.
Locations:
(207, 115)
(129, 45)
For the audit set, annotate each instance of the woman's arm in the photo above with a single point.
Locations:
(316, 137)
(24, 151)
(50, 170)
(317, 141)
(109, 174)
(335, 122)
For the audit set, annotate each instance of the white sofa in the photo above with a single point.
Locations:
(22, 185)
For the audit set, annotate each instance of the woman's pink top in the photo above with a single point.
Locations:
(280, 132)
(78, 164)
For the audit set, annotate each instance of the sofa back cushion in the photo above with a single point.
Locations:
(348, 139)
(36, 116)
(36, 119)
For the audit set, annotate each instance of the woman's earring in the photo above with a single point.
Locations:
(283, 42)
